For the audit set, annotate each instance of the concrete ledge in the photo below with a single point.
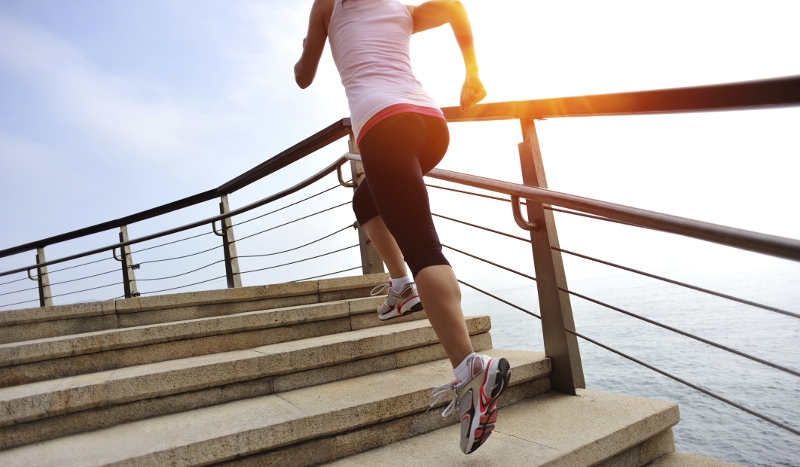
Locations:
(37, 323)
(551, 430)
(45, 329)
(211, 297)
(44, 370)
(56, 312)
(226, 431)
(108, 416)
(64, 346)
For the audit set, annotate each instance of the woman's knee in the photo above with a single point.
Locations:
(363, 204)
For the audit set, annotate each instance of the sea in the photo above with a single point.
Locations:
(708, 427)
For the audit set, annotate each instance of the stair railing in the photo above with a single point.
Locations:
(559, 332)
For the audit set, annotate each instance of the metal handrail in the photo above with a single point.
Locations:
(316, 177)
(777, 92)
(744, 95)
(772, 245)
(289, 156)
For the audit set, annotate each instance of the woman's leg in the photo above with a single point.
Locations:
(370, 220)
(387, 247)
(391, 155)
(441, 297)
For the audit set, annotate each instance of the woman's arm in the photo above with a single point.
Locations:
(435, 13)
(313, 45)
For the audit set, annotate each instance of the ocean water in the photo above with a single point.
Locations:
(707, 427)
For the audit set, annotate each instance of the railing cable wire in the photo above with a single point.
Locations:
(515, 237)
(54, 271)
(20, 303)
(179, 287)
(490, 262)
(180, 257)
(11, 282)
(328, 274)
(85, 277)
(288, 205)
(682, 284)
(18, 291)
(170, 243)
(181, 274)
(642, 318)
(85, 290)
(300, 260)
(297, 247)
(636, 271)
(651, 367)
(79, 265)
(549, 208)
(293, 221)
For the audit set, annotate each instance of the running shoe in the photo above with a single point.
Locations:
(476, 399)
(398, 303)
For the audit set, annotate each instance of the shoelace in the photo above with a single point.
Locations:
(378, 289)
(441, 391)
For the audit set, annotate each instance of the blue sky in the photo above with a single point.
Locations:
(110, 107)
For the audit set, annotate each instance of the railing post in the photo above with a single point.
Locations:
(128, 276)
(554, 305)
(45, 296)
(371, 262)
(232, 271)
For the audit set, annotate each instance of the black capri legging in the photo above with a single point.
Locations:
(396, 153)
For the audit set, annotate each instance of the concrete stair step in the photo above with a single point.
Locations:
(265, 370)
(60, 320)
(247, 427)
(62, 356)
(592, 429)
(328, 448)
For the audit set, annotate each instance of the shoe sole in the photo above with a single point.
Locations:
(399, 311)
(486, 421)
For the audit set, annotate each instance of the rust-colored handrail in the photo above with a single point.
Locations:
(772, 245)
(769, 93)
(746, 95)
(289, 156)
(269, 199)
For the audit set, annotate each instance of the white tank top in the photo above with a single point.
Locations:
(370, 43)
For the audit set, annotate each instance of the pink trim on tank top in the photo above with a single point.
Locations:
(394, 110)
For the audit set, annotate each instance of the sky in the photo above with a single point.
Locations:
(108, 108)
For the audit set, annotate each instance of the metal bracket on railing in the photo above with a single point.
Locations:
(341, 179)
(521, 222)
(114, 254)
(31, 278)
(214, 228)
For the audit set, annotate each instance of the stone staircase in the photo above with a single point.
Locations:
(286, 374)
